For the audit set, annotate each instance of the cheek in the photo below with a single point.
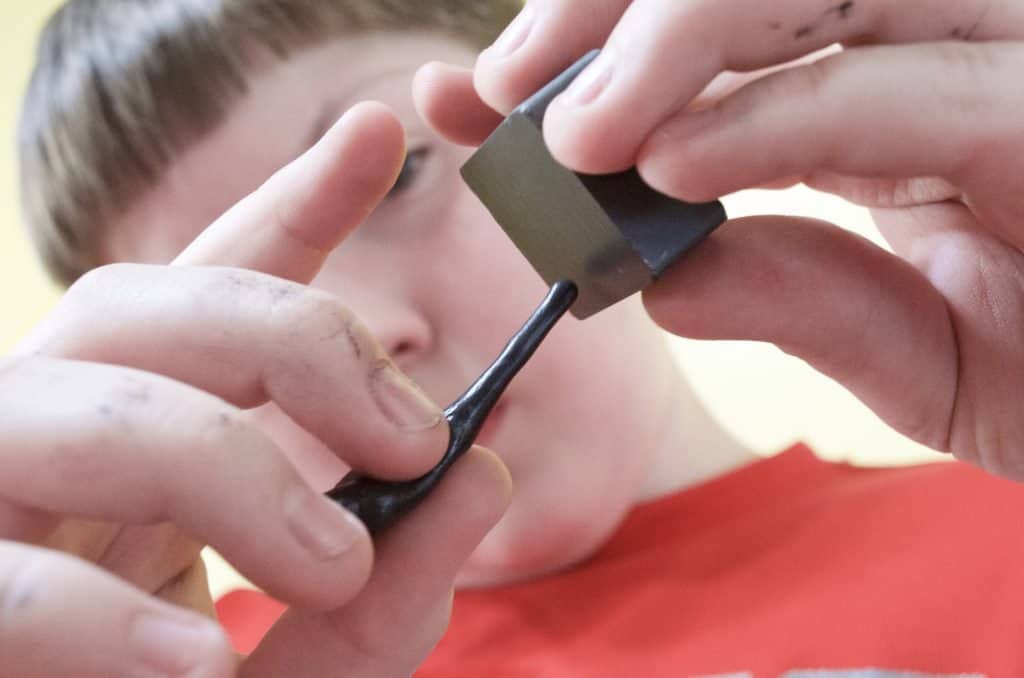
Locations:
(592, 396)
(605, 360)
(580, 458)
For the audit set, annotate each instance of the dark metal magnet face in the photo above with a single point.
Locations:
(612, 235)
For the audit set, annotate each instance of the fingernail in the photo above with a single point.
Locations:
(324, 528)
(594, 79)
(401, 401)
(514, 35)
(174, 647)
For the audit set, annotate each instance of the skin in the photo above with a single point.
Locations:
(163, 373)
(119, 411)
(443, 335)
(917, 117)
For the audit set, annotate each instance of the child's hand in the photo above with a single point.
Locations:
(124, 410)
(920, 117)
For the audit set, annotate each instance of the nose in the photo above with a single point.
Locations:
(389, 305)
(406, 338)
(399, 325)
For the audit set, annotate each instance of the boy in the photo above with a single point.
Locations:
(641, 538)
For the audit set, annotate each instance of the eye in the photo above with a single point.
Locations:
(414, 161)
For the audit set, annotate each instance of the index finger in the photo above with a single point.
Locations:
(547, 37)
(465, 106)
(289, 225)
(658, 55)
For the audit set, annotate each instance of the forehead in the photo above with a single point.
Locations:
(288, 105)
(351, 69)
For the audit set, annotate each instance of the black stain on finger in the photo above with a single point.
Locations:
(972, 30)
(282, 292)
(803, 31)
(969, 33)
(22, 598)
(346, 326)
(353, 341)
(112, 414)
(842, 10)
(237, 282)
(139, 395)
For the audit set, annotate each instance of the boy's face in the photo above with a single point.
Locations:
(442, 287)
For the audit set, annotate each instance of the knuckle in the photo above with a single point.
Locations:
(223, 428)
(970, 59)
(153, 436)
(202, 448)
(80, 463)
(317, 317)
(811, 80)
(98, 293)
(202, 423)
(307, 308)
(805, 84)
(96, 283)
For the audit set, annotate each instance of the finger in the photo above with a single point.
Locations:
(599, 124)
(846, 114)
(884, 193)
(23, 524)
(446, 99)
(249, 338)
(62, 617)
(853, 311)
(290, 224)
(131, 447)
(393, 624)
(544, 40)
(979, 276)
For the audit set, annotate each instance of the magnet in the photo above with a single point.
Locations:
(612, 235)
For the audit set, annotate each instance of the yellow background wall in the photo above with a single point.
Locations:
(766, 398)
(25, 292)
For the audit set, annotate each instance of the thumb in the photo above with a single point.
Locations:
(853, 311)
(289, 226)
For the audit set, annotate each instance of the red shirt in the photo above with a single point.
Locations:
(791, 563)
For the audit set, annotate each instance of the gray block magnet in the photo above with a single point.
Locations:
(612, 235)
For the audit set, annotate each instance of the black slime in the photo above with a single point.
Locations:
(380, 503)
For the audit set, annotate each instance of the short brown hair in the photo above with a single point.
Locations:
(122, 87)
